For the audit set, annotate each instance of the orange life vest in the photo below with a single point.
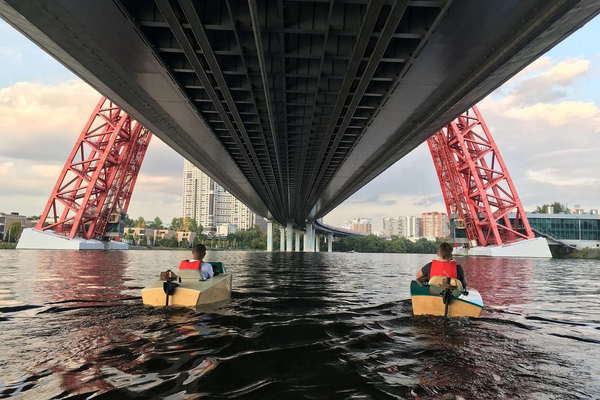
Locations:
(188, 264)
(443, 268)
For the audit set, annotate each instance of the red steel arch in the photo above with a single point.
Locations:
(475, 182)
(97, 180)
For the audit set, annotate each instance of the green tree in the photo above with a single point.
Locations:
(557, 208)
(129, 222)
(14, 232)
(168, 242)
(140, 222)
(143, 241)
(176, 224)
(184, 243)
(374, 244)
(156, 223)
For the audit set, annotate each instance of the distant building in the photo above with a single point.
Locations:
(414, 228)
(361, 225)
(6, 220)
(153, 236)
(434, 225)
(579, 230)
(226, 229)
(209, 204)
(189, 236)
(160, 234)
(141, 235)
(394, 226)
(403, 226)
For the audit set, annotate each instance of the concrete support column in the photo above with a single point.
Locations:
(309, 241)
(269, 236)
(281, 238)
(297, 240)
(289, 231)
(306, 237)
(330, 242)
(317, 242)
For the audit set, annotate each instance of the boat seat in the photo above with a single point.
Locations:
(189, 274)
(437, 284)
(218, 267)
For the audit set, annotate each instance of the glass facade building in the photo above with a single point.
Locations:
(557, 226)
(567, 226)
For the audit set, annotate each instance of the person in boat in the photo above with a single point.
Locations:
(444, 267)
(197, 263)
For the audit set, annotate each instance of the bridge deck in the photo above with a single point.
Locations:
(294, 105)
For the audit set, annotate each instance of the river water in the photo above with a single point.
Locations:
(299, 326)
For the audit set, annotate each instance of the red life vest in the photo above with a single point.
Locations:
(443, 268)
(188, 264)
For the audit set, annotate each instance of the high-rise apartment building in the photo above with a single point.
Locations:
(414, 227)
(403, 226)
(362, 225)
(394, 226)
(209, 204)
(435, 225)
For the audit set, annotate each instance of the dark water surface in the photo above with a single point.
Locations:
(299, 326)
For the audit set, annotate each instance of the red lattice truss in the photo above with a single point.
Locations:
(475, 182)
(97, 181)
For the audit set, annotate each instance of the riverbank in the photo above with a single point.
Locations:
(592, 254)
(7, 245)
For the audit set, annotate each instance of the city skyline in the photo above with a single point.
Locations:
(546, 121)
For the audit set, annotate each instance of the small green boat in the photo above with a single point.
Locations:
(444, 302)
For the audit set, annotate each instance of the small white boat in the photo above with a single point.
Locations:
(426, 302)
(187, 290)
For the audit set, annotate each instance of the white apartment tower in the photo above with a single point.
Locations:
(403, 226)
(209, 204)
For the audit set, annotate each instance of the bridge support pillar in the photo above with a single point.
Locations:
(317, 242)
(289, 233)
(308, 238)
(269, 236)
(330, 242)
(296, 240)
(281, 238)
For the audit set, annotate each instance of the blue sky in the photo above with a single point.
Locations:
(546, 121)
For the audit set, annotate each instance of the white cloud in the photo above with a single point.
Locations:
(558, 114)
(553, 176)
(567, 70)
(39, 124)
(29, 107)
(5, 168)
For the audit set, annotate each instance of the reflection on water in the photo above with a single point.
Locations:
(298, 326)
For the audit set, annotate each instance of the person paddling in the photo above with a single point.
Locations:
(443, 266)
(205, 269)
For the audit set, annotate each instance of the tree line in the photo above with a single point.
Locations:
(376, 244)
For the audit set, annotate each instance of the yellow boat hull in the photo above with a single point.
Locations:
(190, 293)
(426, 303)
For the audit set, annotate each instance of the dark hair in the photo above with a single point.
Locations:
(445, 250)
(199, 249)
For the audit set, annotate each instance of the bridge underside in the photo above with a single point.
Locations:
(294, 105)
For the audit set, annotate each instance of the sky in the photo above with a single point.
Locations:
(545, 120)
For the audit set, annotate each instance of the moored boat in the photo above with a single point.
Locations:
(444, 302)
(187, 290)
